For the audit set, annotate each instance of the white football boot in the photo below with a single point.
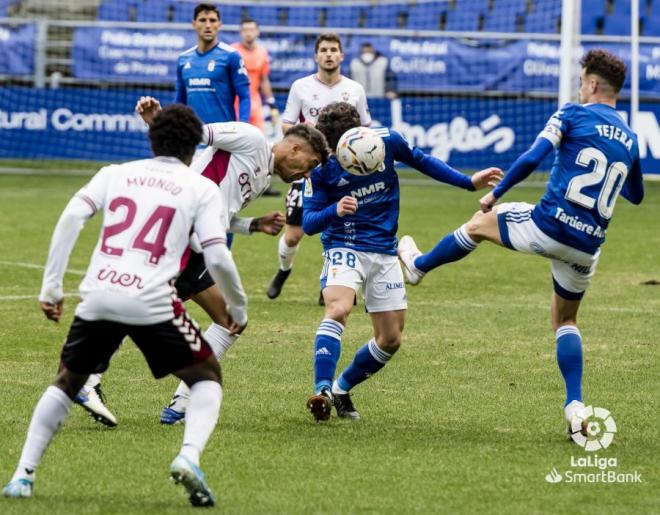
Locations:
(408, 252)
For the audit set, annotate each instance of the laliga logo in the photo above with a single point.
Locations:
(593, 429)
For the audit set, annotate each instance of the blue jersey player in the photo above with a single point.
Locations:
(211, 75)
(358, 219)
(596, 158)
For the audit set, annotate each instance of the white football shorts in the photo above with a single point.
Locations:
(572, 269)
(379, 275)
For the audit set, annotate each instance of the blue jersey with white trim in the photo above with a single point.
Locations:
(596, 154)
(210, 82)
(373, 226)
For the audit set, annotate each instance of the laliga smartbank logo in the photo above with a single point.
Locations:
(593, 429)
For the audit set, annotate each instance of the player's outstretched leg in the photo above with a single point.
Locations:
(49, 414)
(91, 399)
(220, 340)
(451, 248)
(327, 348)
(368, 360)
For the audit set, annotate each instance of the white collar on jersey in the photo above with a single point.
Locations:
(169, 159)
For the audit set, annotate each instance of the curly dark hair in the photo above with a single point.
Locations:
(605, 65)
(335, 119)
(175, 131)
(313, 137)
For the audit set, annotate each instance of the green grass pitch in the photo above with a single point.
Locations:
(467, 418)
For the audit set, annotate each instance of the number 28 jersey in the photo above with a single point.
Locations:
(597, 157)
(149, 208)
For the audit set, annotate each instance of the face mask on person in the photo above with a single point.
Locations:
(368, 57)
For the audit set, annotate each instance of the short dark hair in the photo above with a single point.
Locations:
(335, 119)
(313, 137)
(327, 36)
(248, 20)
(200, 8)
(175, 131)
(606, 65)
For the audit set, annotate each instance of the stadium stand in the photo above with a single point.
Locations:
(617, 23)
(303, 16)
(506, 16)
(609, 17)
(427, 16)
(467, 15)
(544, 17)
(349, 16)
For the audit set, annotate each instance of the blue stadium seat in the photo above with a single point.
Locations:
(343, 16)
(618, 23)
(4, 7)
(303, 16)
(504, 15)
(592, 15)
(153, 10)
(385, 16)
(466, 14)
(426, 16)
(545, 17)
(264, 14)
(115, 10)
(655, 9)
(652, 25)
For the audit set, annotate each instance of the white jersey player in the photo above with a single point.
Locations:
(150, 208)
(307, 97)
(239, 159)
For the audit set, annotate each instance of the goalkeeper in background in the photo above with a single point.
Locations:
(257, 64)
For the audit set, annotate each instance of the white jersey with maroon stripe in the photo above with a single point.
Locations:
(309, 95)
(238, 159)
(149, 209)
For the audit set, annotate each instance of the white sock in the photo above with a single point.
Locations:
(286, 254)
(49, 414)
(201, 418)
(181, 397)
(219, 340)
(336, 389)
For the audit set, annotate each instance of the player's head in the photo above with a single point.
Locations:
(175, 132)
(335, 119)
(206, 22)
(301, 150)
(601, 77)
(328, 52)
(249, 31)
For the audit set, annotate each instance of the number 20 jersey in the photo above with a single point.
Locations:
(597, 156)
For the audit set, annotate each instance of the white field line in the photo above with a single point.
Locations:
(30, 297)
(21, 264)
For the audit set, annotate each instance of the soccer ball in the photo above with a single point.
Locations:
(361, 151)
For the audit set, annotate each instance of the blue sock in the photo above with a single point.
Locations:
(327, 348)
(452, 247)
(368, 360)
(569, 359)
